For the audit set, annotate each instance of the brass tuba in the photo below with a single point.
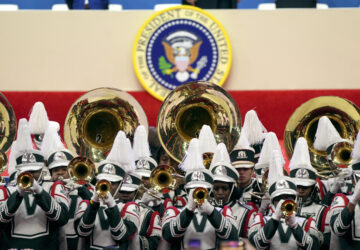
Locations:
(7, 131)
(344, 115)
(190, 106)
(94, 120)
(81, 170)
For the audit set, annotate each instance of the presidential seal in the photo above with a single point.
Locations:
(179, 45)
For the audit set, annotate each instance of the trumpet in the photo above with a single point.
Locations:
(81, 170)
(200, 195)
(102, 188)
(288, 208)
(25, 180)
(162, 178)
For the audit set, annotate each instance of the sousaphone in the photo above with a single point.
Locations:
(95, 118)
(7, 130)
(188, 107)
(344, 115)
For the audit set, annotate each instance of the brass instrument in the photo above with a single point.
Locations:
(142, 189)
(7, 124)
(344, 115)
(94, 120)
(7, 131)
(200, 195)
(190, 106)
(25, 180)
(207, 158)
(162, 178)
(264, 187)
(81, 170)
(288, 208)
(3, 165)
(103, 188)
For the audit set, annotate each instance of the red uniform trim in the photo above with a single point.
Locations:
(261, 219)
(322, 226)
(174, 209)
(6, 195)
(252, 204)
(168, 202)
(308, 223)
(53, 187)
(181, 199)
(123, 211)
(225, 209)
(151, 226)
(346, 200)
(321, 188)
(246, 225)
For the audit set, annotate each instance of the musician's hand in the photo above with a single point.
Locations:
(265, 203)
(291, 221)
(278, 212)
(206, 208)
(20, 191)
(335, 184)
(147, 198)
(70, 185)
(95, 197)
(36, 188)
(109, 201)
(191, 204)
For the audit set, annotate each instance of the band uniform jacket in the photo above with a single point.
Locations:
(103, 227)
(33, 221)
(267, 233)
(181, 226)
(344, 225)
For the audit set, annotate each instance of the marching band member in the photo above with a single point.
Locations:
(198, 222)
(31, 216)
(271, 143)
(255, 132)
(58, 159)
(345, 210)
(282, 230)
(144, 165)
(326, 137)
(101, 221)
(243, 160)
(225, 178)
(150, 222)
(304, 176)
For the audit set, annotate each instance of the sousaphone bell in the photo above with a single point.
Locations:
(190, 106)
(344, 115)
(94, 120)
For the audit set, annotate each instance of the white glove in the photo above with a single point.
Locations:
(36, 187)
(70, 185)
(264, 206)
(109, 201)
(291, 221)
(95, 197)
(206, 208)
(335, 184)
(147, 198)
(356, 195)
(278, 213)
(20, 191)
(191, 204)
